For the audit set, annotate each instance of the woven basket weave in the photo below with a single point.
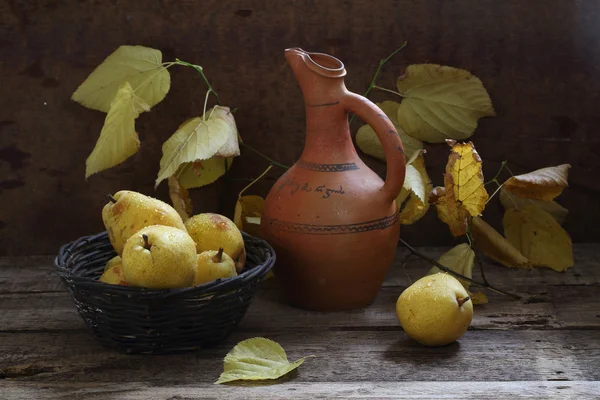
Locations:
(139, 320)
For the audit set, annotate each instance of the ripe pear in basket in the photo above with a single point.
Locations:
(154, 320)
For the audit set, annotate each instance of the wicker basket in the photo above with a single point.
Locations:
(139, 320)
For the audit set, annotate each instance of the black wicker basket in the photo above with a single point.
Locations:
(139, 320)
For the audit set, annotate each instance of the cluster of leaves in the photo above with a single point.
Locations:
(443, 104)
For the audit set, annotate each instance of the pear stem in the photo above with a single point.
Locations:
(146, 242)
(219, 256)
(111, 199)
(456, 274)
(463, 300)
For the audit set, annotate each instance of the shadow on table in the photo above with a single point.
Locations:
(407, 350)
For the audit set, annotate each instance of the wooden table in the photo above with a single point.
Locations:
(546, 345)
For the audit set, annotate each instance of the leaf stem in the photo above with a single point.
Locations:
(205, 103)
(451, 272)
(256, 180)
(387, 90)
(495, 178)
(263, 156)
(201, 71)
(378, 71)
(495, 192)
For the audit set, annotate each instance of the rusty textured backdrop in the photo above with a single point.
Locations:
(539, 59)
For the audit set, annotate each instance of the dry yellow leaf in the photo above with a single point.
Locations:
(441, 102)
(509, 200)
(539, 237)
(459, 259)
(180, 198)
(203, 172)
(478, 298)
(464, 179)
(139, 66)
(492, 243)
(197, 139)
(368, 142)
(248, 212)
(118, 139)
(414, 196)
(542, 184)
(456, 218)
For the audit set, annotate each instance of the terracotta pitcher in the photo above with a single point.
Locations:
(332, 221)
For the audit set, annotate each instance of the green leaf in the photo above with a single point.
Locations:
(139, 66)
(118, 140)
(441, 102)
(203, 172)
(459, 259)
(256, 359)
(368, 142)
(199, 139)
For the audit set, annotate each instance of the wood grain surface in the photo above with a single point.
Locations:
(544, 346)
(539, 59)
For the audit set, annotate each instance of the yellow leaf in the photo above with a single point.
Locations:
(203, 172)
(459, 259)
(441, 102)
(542, 184)
(539, 237)
(368, 142)
(139, 66)
(478, 298)
(464, 179)
(456, 217)
(197, 139)
(256, 359)
(118, 139)
(509, 200)
(180, 198)
(417, 188)
(492, 243)
(248, 211)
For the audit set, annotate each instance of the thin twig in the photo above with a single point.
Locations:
(201, 71)
(456, 274)
(378, 71)
(387, 90)
(495, 178)
(409, 255)
(263, 156)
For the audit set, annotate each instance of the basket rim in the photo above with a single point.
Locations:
(64, 269)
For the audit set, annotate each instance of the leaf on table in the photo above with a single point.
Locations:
(368, 142)
(256, 359)
(493, 244)
(197, 139)
(539, 237)
(118, 139)
(139, 66)
(414, 196)
(459, 259)
(180, 197)
(478, 298)
(441, 102)
(463, 179)
(542, 184)
(509, 200)
(455, 217)
(248, 212)
(203, 172)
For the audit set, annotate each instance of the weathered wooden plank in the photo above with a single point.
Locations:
(36, 273)
(359, 356)
(548, 307)
(292, 390)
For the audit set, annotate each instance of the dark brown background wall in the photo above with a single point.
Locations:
(539, 59)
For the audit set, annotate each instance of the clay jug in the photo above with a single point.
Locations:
(332, 221)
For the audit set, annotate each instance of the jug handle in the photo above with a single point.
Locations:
(388, 136)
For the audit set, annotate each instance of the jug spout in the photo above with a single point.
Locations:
(318, 74)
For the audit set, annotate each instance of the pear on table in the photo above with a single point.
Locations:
(160, 257)
(214, 265)
(127, 212)
(435, 310)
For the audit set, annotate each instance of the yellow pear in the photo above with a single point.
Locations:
(214, 265)
(160, 257)
(114, 275)
(127, 212)
(116, 260)
(435, 310)
(213, 231)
